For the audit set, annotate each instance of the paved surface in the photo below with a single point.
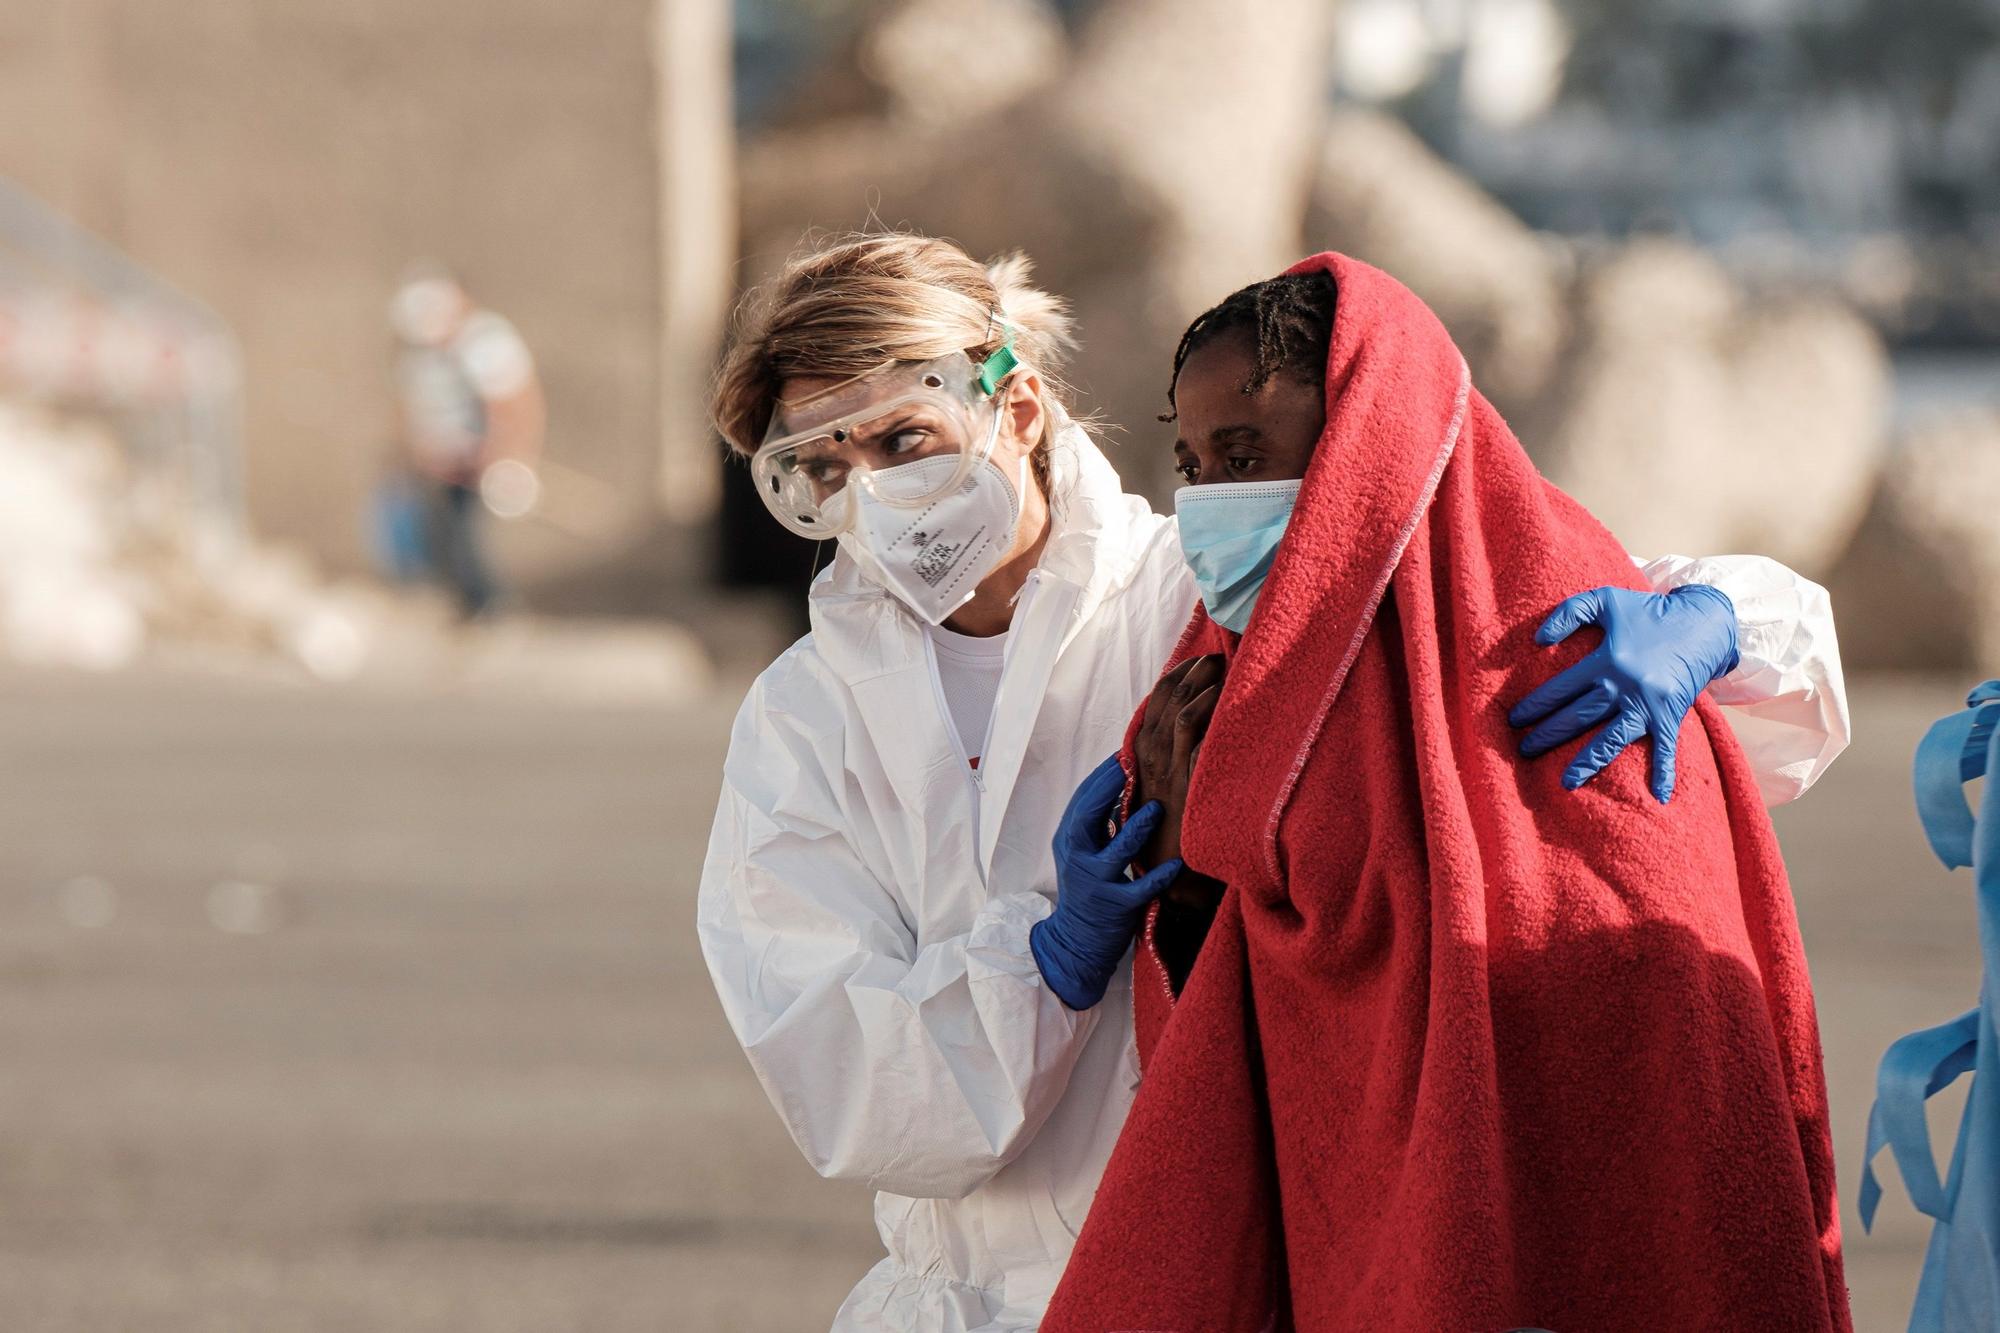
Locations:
(386, 1016)
(472, 1077)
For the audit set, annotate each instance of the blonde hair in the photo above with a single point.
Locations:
(849, 305)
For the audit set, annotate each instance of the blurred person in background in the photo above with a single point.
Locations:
(935, 1003)
(470, 421)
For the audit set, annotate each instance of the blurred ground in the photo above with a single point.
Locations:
(472, 1076)
(330, 1010)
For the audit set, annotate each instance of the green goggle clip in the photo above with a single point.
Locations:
(997, 367)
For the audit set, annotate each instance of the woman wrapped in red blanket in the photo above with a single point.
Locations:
(1462, 1050)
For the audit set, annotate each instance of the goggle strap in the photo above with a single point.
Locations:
(997, 367)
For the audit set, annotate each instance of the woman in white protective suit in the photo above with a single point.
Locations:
(878, 906)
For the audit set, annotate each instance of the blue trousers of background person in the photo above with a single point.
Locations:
(453, 518)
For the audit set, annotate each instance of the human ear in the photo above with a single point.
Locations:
(1024, 416)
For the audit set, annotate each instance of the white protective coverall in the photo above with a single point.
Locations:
(866, 898)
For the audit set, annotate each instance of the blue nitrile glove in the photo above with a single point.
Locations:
(1078, 946)
(1660, 651)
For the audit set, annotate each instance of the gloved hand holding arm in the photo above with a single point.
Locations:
(1784, 699)
(1098, 908)
(1660, 651)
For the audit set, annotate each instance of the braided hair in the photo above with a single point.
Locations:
(1290, 318)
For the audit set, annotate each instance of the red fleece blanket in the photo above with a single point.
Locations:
(1463, 1050)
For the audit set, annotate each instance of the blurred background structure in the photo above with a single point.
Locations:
(347, 945)
(1729, 266)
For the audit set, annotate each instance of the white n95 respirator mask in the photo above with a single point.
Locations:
(933, 555)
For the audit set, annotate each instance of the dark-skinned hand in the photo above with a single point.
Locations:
(1176, 721)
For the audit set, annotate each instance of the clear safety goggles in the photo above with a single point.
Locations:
(913, 411)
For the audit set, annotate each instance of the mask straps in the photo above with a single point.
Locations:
(997, 367)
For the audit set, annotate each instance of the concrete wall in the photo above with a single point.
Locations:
(283, 159)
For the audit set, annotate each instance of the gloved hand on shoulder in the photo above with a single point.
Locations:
(1660, 651)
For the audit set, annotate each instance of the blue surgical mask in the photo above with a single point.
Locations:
(1230, 534)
